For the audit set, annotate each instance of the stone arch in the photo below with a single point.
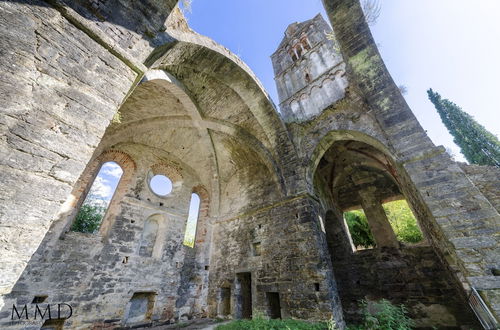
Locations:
(387, 181)
(195, 55)
(337, 135)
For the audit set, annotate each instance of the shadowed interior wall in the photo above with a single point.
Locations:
(64, 80)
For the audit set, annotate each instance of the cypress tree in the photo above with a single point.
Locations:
(476, 144)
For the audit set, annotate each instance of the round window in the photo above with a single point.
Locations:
(160, 185)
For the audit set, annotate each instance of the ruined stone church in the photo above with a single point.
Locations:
(88, 82)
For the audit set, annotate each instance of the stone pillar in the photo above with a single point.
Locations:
(377, 219)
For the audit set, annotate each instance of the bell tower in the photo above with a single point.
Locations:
(308, 70)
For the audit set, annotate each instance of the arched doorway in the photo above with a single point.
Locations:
(353, 175)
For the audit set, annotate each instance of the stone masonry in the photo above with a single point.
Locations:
(88, 82)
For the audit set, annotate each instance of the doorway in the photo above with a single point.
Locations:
(244, 299)
(273, 301)
(225, 301)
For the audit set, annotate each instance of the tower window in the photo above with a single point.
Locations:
(306, 44)
(298, 49)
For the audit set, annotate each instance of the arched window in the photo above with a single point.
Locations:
(194, 210)
(299, 50)
(148, 238)
(96, 203)
(306, 44)
(308, 78)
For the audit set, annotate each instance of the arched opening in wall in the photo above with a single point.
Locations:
(299, 50)
(366, 190)
(308, 77)
(365, 194)
(306, 44)
(192, 220)
(148, 237)
(140, 307)
(359, 230)
(400, 217)
(224, 301)
(98, 199)
(403, 221)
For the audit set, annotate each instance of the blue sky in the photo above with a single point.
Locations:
(105, 183)
(451, 46)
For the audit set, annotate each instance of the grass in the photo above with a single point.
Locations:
(263, 324)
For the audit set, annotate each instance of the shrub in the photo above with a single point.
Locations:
(384, 316)
(400, 217)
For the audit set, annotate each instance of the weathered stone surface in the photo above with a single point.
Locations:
(272, 188)
(59, 91)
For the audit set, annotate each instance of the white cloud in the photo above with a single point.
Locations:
(112, 169)
(101, 189)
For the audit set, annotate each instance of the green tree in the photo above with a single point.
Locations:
(400, 217)
(359, 229)
(403, 221)
(89, 217)
(477, 144)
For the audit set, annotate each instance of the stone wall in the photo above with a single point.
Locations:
(61, 87)
(292, 260)
(97, 274)
(412, 276)
(487, 180)
(202, 118)
(461, 224)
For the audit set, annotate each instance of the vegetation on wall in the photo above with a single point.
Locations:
(477, 144)
(359, 229)
(383, 315)
(400, 216)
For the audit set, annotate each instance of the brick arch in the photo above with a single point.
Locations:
(170, 170)
(87, 178)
